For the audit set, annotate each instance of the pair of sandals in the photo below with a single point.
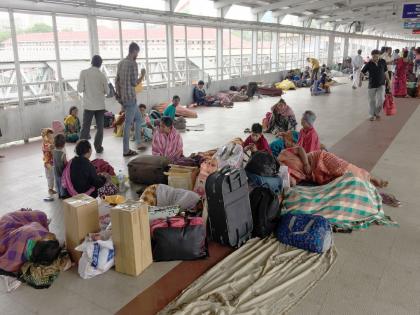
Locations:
(133, 153)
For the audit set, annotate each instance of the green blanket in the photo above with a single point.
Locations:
(347, 202)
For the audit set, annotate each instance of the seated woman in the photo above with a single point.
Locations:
(200, 97)
(282, 119)
(24, 236)
(79, 176)
(72, 125)
(308, 137)
(167, 141)
(321, 167)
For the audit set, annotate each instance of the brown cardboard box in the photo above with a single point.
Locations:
(81, 217)
(131, 237)
(182, 176)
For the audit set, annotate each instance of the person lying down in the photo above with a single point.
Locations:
(321, 167)
(24, 236)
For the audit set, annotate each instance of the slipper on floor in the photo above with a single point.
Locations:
(130, 153)
(390, 200)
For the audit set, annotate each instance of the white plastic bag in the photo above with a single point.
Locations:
(284, 174)
(97, 257)
(231, 155)
(9, 284)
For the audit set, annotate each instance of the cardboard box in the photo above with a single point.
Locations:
(131, 237)
(182, 176)
(81, 217)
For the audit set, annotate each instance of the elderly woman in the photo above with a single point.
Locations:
(80, 175)
(321, 167)
(282, 118)
(166, 140)
(24, 236)
(308, 137)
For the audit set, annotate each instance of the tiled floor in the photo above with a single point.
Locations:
(377, 270)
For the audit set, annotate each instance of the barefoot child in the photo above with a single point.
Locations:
(47, 147)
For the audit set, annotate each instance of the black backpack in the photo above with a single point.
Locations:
(265, 207)
(263, 164)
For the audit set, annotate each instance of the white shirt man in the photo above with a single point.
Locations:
(94, 86)
(357, 63)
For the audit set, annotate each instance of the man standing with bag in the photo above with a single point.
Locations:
(94, 86)
(357, 64)
(378, 76)
(125, 83)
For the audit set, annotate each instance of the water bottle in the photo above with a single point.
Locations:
(120, 178)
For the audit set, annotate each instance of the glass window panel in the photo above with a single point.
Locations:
(8, 87)
(194, 53)
(74, 48)
(226, 64)
(246, 53)
(109, 39)
(282, 50)
(133, 32)
(210, 52)
(157, 54)
(235, 53)
(180, 65)
(35, 37)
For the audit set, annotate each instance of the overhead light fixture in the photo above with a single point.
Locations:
(284, 8)
(339, 20)
(307, 13)
(324, 16)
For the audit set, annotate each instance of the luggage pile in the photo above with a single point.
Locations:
(223, 199)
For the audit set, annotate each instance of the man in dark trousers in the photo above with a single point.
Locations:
(378, 76)
(94, 86)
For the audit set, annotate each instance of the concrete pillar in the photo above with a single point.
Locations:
(331, 49)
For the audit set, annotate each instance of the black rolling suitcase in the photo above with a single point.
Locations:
(229, 210)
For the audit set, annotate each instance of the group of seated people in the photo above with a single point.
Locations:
(302, 151)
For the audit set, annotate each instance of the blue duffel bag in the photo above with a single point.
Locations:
(305, 231)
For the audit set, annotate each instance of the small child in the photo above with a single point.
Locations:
(147, 125)
(256, 141)
(308, 137)
(60, 161)
(47, 147)
(170, 111)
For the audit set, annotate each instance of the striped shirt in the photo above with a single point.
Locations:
(126, 80)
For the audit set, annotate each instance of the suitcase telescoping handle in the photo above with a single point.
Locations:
(233, 177)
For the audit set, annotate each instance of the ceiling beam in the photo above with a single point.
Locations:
(359, 4)
(277, 5)
(346, 10)
(355, 16)
(222, 3)
(304, 7)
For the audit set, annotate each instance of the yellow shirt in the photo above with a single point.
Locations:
(314, 63)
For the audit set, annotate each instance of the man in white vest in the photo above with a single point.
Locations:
(357, 64)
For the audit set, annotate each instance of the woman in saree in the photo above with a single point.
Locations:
(282, 118)
(321, 167)
(399, 82)
(167, 141)
(24, 236)
(80, 176)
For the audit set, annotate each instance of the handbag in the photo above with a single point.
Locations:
(389, 105)
(179, 238)
(306, 231)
